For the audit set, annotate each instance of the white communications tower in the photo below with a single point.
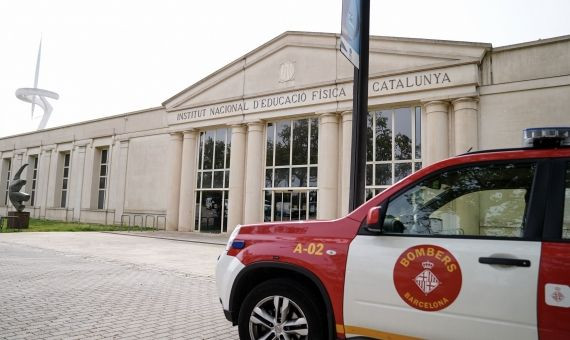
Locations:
(38, 96)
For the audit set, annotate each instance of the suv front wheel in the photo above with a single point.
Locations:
(280, 309)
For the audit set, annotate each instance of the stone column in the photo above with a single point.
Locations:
(44, 169)
(76, 178)
(465, 125)
(437, 132)
(254, 173)
(174, 168)
(91, 171)
(466, 138)
(345, 164)
(237, 168)
(328, 166)
(187, 181)
(119, 159)
(52, 185)
(17, 162)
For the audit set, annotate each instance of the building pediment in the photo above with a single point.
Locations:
(298, 60)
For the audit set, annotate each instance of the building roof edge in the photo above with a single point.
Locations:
(321, 34)
(83, 122)
(532, 43)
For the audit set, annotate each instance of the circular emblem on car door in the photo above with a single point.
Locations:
(427, 277)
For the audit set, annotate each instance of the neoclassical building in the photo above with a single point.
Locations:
(267, 137)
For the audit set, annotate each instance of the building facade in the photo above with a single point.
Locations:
(267, 137)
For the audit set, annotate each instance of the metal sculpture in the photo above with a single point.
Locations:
(38, 96)
(16, 197)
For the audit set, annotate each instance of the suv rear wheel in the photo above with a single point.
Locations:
(280, 309)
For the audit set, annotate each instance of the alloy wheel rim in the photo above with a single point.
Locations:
(278, 318)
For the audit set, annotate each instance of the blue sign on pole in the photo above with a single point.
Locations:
(350, 31)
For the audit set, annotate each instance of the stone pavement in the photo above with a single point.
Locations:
(97, 285)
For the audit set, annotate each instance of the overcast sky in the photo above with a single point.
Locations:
(107, 57)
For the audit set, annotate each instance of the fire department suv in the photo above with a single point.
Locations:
(475, 246)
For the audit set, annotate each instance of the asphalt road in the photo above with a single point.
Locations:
(97, 285)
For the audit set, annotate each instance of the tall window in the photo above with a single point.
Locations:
(103, 178)
(34, 161)
(8, 167)
(291, 170)
(213, 181)
(393, 150)
(65, 180)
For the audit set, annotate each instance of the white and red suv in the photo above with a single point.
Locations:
(473, 247)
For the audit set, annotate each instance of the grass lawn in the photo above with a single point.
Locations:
(45, 225)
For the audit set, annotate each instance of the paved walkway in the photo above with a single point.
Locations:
(108, 286)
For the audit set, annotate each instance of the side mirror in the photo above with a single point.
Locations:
(393, 226)
(373, 220)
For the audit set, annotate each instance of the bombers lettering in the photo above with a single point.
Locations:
(428, 251)
(411, 81)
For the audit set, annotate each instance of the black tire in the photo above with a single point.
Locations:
(299, 298)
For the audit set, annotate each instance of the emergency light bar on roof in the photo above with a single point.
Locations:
(546, 137)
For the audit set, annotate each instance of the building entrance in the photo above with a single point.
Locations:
(212, 213)
(290, 205)
(213, 178)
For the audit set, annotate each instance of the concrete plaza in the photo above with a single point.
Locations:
(101, 285)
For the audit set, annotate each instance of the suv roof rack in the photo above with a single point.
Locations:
(493, 150)
(537, 138)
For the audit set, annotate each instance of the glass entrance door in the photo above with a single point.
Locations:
(212, 214)
(290, 205)
(213, 177)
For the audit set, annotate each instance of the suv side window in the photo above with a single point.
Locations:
(566, 221)
(478, 200)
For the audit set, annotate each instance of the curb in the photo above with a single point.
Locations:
(213, 242)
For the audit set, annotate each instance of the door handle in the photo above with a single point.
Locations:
(505, 261)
